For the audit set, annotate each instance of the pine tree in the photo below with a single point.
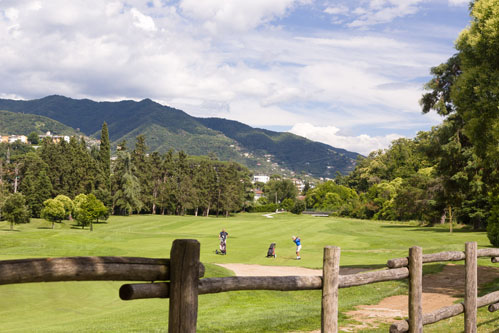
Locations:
(126, 186)
(105, 155)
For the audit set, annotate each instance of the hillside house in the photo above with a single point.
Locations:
(257, 194)
(55, 138)
(261, 179)
(14, 138)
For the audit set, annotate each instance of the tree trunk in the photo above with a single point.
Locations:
(153, 211)
(11, 226)
(196, 211)
(450, 218)
(52, 224)
(91, 226)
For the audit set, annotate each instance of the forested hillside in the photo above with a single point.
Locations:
(293, 151)
(166, 128)
(133, 182)
(12, 123)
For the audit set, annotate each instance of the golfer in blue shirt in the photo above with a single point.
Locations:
(298, 246)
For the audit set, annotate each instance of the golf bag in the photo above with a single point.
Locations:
(271, 251)
(223, 247)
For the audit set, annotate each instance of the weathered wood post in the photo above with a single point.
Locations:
(184, 281)
(330, 283)
(415, 289)
(470, 296)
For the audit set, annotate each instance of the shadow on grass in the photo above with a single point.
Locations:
(429, 228)
(10, 230)
(44, 228)
(75, 226)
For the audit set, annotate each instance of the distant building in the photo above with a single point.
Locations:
(261, 179)
(257, 194)
(300, 185)
(14, 138)
(55, 138)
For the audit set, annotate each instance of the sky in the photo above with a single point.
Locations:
(347, 73)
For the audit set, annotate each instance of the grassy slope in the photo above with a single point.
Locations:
(95, 306)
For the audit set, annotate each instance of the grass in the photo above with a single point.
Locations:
(95, 306)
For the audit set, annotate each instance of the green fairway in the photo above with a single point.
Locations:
(96, 307)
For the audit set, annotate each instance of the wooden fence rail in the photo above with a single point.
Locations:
(183, 271)
(281, 283)
(85, 269)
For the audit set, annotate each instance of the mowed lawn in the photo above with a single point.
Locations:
(96, 307)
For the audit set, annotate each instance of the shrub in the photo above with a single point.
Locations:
(299, 207)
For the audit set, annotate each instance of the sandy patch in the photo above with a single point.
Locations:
(260, 270)
(439, 290)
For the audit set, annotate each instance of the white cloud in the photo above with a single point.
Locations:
(337, 10)
(363, 144)
(261, 74)
(459, 2)
(235, 15)
(384, 11)
(142, 21)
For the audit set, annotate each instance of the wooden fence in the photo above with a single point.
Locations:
(183, 272)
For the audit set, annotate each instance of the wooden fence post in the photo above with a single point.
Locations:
(470, 296)
(330, 284)
(415, 289)
(184, 280)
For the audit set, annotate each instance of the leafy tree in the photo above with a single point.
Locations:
(15, 210)
(475, 93)
(53, 211)
(277, 190)
(465, 89)
(288, 204)
(67, 204)
(299, 207)
(33, 138)
(88, 209)
(80, 210)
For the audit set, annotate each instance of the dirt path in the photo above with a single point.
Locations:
(439, 290)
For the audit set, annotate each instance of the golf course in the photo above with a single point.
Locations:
(96, 307)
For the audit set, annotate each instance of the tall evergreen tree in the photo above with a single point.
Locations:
(35, 185)
(105, 152)
(126, 186)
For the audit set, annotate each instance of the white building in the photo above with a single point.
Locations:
(14, 138)
(261, 179)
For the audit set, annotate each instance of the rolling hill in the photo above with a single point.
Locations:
(23, 124)
(168, 128)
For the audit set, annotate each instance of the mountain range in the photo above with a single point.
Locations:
(165, 128)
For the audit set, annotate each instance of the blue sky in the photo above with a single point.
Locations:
(347, 73)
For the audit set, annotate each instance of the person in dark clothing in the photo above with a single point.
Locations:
(223, 241)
